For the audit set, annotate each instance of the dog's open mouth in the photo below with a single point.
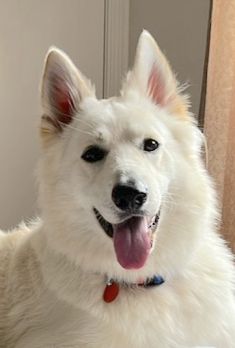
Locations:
(133, 238)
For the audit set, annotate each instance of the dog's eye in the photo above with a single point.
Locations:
(150, 145)
(94, 154)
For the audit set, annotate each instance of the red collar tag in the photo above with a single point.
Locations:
(111, 292)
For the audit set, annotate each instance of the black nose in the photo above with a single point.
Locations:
(128, 198)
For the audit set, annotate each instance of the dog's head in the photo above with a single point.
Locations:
(116, 173)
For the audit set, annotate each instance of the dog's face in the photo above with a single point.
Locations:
(108, 165)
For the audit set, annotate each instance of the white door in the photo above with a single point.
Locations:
(27, 29)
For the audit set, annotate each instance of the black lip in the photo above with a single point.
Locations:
(108, 227)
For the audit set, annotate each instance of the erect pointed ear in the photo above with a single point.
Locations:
(152, 76)
(63, 89)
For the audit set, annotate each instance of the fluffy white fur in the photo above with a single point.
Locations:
(52, 273)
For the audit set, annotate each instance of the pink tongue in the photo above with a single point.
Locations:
(132, 243)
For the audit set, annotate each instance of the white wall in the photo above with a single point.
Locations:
(180, 27)
(27, 29)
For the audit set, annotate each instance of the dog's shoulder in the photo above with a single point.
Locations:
(15, 258)
(9, 242)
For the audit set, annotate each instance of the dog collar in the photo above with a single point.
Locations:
(112, 287)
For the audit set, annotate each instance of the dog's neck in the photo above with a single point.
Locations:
(70, 282)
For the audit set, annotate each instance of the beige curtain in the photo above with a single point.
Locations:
(220, 110)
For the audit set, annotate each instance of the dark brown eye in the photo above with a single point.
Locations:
(94, 154)
(150, 145)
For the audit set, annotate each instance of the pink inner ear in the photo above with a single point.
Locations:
(156, 87)
(63, 102)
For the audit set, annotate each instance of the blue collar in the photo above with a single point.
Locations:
(154, 281)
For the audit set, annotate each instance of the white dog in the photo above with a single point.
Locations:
(126, 253)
